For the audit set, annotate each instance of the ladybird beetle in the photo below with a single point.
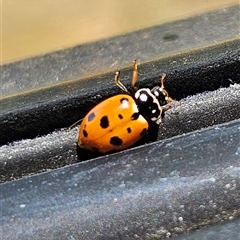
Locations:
(122, 120)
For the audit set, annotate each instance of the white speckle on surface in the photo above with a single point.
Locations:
(237, 153)
(180, 219)
(178, 230)
(168, 234)
(162, 231)
(164, 179)
(202, 207)
(228, 185)
(233, 172)
(208, 180)
(44, 182)
(22, 205)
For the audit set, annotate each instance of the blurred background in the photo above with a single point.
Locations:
(30, 28)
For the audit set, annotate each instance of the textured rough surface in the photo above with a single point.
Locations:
(59, 149)
(160, 190)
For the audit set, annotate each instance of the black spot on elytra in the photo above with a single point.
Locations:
(123, 99)
(135, 116)
(120, 116)
(85, 134)
(104, 123)
(129, 130)
(116, 141)
(143, 132)
(91, 116)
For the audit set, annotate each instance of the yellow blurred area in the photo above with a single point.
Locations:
(30, 28)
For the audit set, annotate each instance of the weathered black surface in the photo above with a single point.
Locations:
(158, 190)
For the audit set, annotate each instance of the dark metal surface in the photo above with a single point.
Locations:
(158, 190)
